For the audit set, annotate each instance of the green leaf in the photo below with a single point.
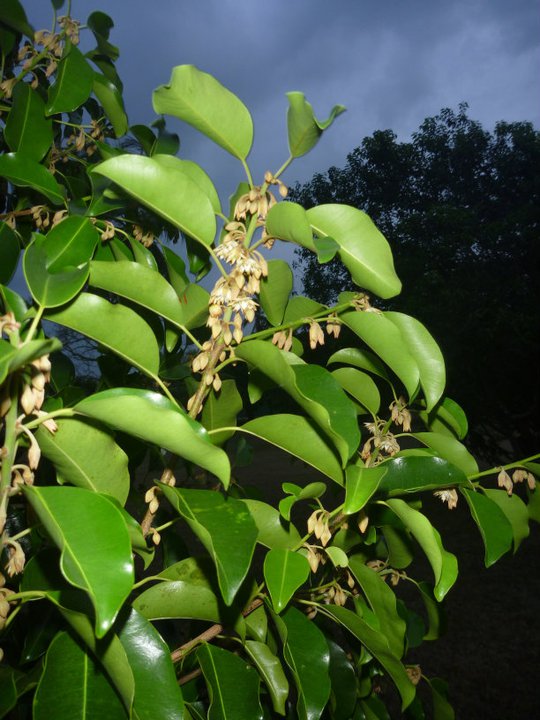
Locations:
(311, 490)
(288, 221)
(28, 132)
(196, 173)
(344, 682)
(447, 417)
(442, 710)
(176, 270)
(220, 410)
(86, 456)
(12, 358)
(363, 359)
(225, 528)
(450, 449)
(301, 308)
(306, 653)
(8, 689)
(96, 550)
(73, 84)
(275, 291)
(233, 686)
(200, 100)
(73, 685)
(427, 354)
(274, 532)
(9, 252)
(179, 599)
(150, 290)
(412, 474)
(495, 528)
(101, 24)
(157, 693)
(297, 436)
(51, 289)
(13, 15)
(313, 388)
(111, 100)
(443, 563)
(326, 249)
(70, 243)
(23, 171)
(116, 327)
(303, 128)
(382, 600)
(360, 386)
(384, 338)
(401, 550)
(271, 672)
(154, 418)
(361, 485)
(337, 556)
(284, 573)
(363, 249)
(377, 645)
(167, 190)
(435, 612)
(166, 143)
(515, 511)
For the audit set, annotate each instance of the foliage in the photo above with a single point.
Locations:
(140, 577)
(460, 206)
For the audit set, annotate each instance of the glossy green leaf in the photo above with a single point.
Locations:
(176, 269)
(157, 693)
(142, 255)
(326, 248)
(442, 710)
(13, 15)
(9, 252)
(49, 288)
(443, 563)
(271, 671)
(382, 600)
(304, 130)
(74, 686)
(363, 249)
(435, 612)
(15, 358)
(401, 550)
(288, 221)
(28, 132)
(275, 291)
(412, 474)
(301, 308)
(179, 599)
(153, 418)
(450, 449)
(150, 290)
(200, 100)
(233, 686)
(86, 456)
(274, 532)
(427, 354)
(360, 386)
(313, 388)
(103, 567)
(195, 173)
(494, 526)
(73, 84)
(225, 528)
(284, 573)
(447, 418)
(111, 100)
(307, 492)
(166, 143)
(70, 243)
(167, 190)
(361, 484)
(344, 682)
(116, 327)
(297, 436)
(515, 511)
(220, 410)
(23, 171)
(377, 644)
(337, 556)
(384, 338)
(363, 359)
(306, 653)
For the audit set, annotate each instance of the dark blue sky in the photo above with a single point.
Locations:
(390, 62)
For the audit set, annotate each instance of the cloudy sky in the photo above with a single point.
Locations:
(390, 62)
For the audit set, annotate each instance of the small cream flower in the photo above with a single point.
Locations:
(447, 496)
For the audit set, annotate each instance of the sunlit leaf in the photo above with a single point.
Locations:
(288, 221)
(196, 173)
(95, 545)
(413, 474)
(361, 484)
(363, 249)
(304, 129)
(447, 417)
(153, 418)
(363, 359)
(360, 386)
(200, 100)
(450, 449)
(274, 532)
(48, 288)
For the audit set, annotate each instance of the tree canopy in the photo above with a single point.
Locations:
(460, 207)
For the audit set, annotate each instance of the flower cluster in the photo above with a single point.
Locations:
(505, 481)
(318, 524)
(400, 415)
(449, 496)
(383, 441)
